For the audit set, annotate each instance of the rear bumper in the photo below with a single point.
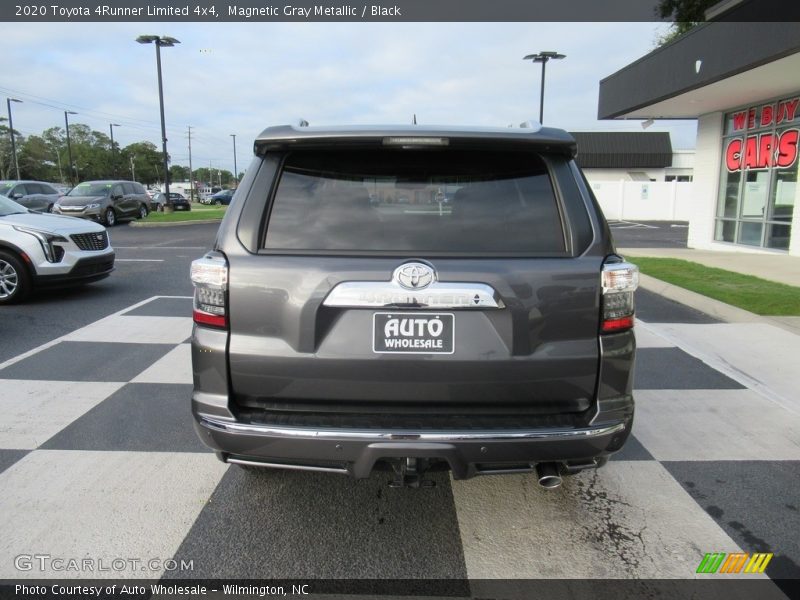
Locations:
(356, 452)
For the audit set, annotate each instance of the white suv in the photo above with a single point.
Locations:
(38, 250)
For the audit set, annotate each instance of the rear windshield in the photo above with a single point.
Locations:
(415, 201)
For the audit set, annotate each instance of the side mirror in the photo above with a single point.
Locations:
(17, 196)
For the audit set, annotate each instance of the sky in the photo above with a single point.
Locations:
(238, 78)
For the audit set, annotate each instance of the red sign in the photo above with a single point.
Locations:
(762, 151)
(783, 111)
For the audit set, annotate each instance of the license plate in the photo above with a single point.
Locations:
(413, 333)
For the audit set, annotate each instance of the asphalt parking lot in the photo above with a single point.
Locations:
(98, 457)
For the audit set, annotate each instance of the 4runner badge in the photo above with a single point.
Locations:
(414, 275)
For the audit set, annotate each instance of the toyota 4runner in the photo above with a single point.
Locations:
(417, 297)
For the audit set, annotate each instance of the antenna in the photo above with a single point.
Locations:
(414, 120)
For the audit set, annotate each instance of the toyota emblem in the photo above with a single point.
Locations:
(414, 275)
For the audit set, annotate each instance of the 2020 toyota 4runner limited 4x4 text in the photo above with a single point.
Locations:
(417, 297)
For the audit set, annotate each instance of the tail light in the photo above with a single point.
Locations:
(619, 281)
(210, 280)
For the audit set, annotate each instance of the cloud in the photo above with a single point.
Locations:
(241, 77)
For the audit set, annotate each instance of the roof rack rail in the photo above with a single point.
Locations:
(531, 124)
(301, 123)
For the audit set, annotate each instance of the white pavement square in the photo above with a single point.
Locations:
(619, 522)
(646, 338)
(101, 505)
(766, 355)
(34, 411)
(715, 425)
(174, 367)
(133, 329)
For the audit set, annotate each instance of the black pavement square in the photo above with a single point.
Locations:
(291, 524)
(653, 308)
(163, 307)
(674, 369)
(9, 457)
(632, 450)
(144, 417)
(87, 361)
(755, 502)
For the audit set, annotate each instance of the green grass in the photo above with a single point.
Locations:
(754, 294)
(198, 212)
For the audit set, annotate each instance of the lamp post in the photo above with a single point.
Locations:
(543, 57)
(235, 169)
(167, 42)
(11, 133)
(113, 150)
(67, 113)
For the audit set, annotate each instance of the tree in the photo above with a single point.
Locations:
(684, 14)
(38, 160)
(6, 156)
(147, 162)
(178, 173)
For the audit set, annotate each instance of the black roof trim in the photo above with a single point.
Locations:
(725, 48)
(623, 149)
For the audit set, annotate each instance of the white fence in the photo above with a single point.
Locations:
(645, 201)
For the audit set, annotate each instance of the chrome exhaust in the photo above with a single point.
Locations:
(548, 475)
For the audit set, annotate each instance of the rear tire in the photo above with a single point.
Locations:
(217, 202)
(110, 217)
(143, 212)
(50, 208)
(15, 280)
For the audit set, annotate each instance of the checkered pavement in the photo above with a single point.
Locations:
(98, 459)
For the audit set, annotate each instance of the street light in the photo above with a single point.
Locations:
(543, 57)
(69, 147)
(113, 152)
(235, 169)
(11, 133)
(167, 42)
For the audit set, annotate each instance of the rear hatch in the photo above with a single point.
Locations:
(428, 286)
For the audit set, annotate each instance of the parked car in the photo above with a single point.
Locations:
(220, 198)
(179, 201)
(105, 201)
(41, 250)
(35, 195)
(334, 334)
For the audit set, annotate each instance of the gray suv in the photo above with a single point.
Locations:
(106, 201)
(414, 298)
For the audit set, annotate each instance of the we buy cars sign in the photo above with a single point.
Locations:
(764, 150)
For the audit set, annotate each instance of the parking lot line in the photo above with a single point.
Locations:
(62, 338)
(140, 260)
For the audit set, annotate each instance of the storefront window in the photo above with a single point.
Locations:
(759, 176)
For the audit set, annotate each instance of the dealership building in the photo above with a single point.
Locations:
(741, 81)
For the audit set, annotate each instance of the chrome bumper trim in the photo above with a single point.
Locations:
(389, 294)
(289, 467)
(400, 436)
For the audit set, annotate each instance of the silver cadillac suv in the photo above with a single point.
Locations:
(414, 298)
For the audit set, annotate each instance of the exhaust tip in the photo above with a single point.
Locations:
(549, 477)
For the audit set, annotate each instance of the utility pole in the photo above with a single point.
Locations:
(69, 147)
(113, 151)
(235, 168)
(133, 169)
(11, 132)
(191, 174)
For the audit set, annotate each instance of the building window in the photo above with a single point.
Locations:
(758, 181)
(678, 178)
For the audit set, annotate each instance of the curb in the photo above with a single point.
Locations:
(710, 306)
(171, 223)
